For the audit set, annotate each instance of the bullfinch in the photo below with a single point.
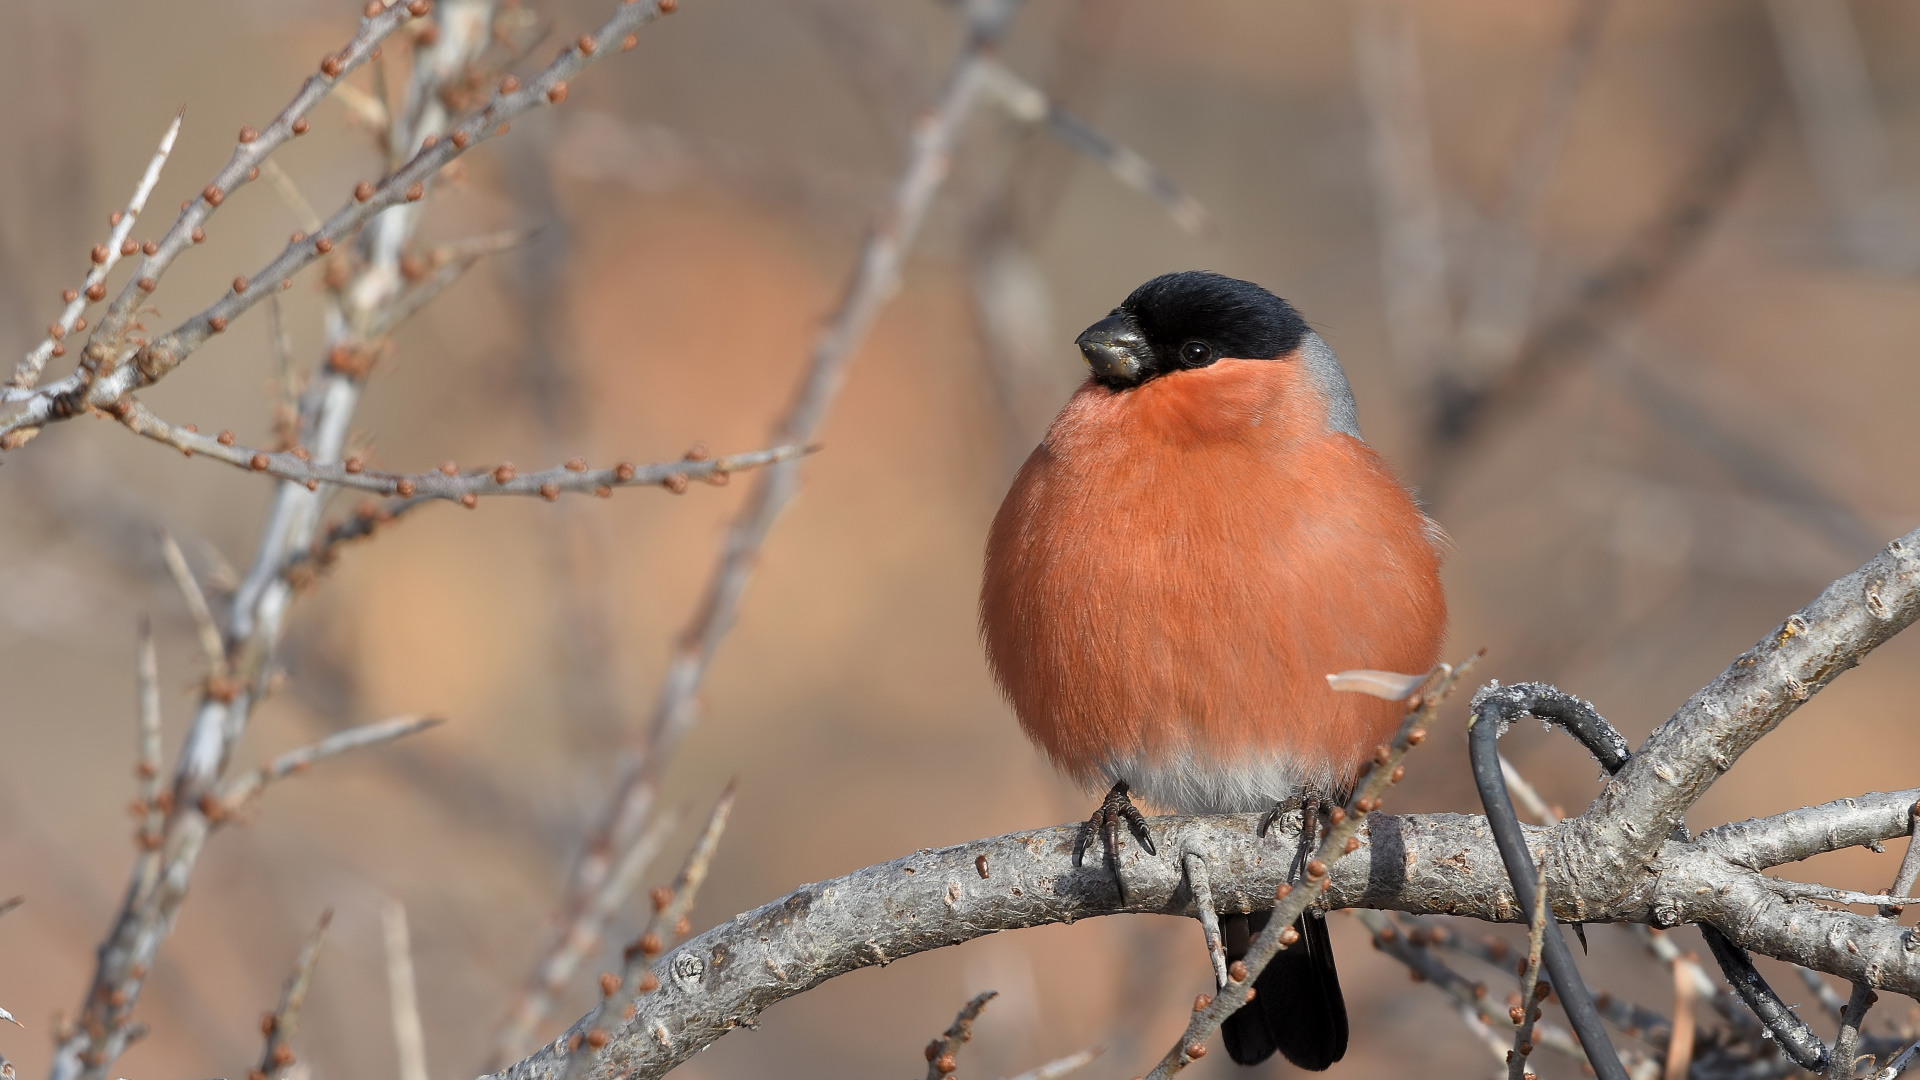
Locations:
(1201, 538)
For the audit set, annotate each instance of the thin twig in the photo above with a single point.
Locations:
(1528, 1010)
(250, 149)
(409, 1038)
(147, 766)
(1525, 794)
(1501, 294)
(1829, 999)
(1406, 191)
(27, 372)
(1680, 1042)
(1029, 104)
(104, 379)
(1846, 1044)
(297, 465)
(942, 1051)
(449, 262)
(289, 192)
(578, 936)
(1899, 1064)
(1062, 1067)
(243, 789)
(668, 924)
(1471, 996)
(283, 1023)
(1634, 276)
(212, 644)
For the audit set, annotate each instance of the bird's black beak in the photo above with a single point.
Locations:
(1116, 351)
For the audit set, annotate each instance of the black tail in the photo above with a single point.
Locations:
(1296, 1008)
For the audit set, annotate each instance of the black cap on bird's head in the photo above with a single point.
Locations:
(1188, 320)
(1178, 322)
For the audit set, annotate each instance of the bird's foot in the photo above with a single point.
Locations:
(1280, 809)
(1116, 808)
(1312, 806)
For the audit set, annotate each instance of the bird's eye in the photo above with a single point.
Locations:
(1196, 354)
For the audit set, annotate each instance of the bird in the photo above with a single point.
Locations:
(1199, 540)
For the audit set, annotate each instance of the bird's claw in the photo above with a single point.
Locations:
(1116, 808)
(1310, 804)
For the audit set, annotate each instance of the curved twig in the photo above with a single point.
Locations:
(1492, 713)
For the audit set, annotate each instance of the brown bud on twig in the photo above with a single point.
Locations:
(549, 491)
(149, 248)
(239, 284)
(450, 468)
(299, 125)
(1237, 972)
(509, 83)
(585, 44)
(557, 93)
(330, 66)
(1202, 1002)
(362, 191)
(217, 323)
(96, 292)
(214, 195)
(628, 42)
(1196, 1051)
(129, 246)
(503, 472)
(609, 983)
(649, 983)
(404, 489)
(1289, 936)
(100, 254)
(247, 134)
(675, 483)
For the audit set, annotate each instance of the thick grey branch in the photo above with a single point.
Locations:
(1422, 864)
(1649, 797)
(1759, 843)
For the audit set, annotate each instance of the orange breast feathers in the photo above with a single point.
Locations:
(1177, 569)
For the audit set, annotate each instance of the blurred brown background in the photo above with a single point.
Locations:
(1668, 491)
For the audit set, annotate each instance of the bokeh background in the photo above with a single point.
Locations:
(1715, 421)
